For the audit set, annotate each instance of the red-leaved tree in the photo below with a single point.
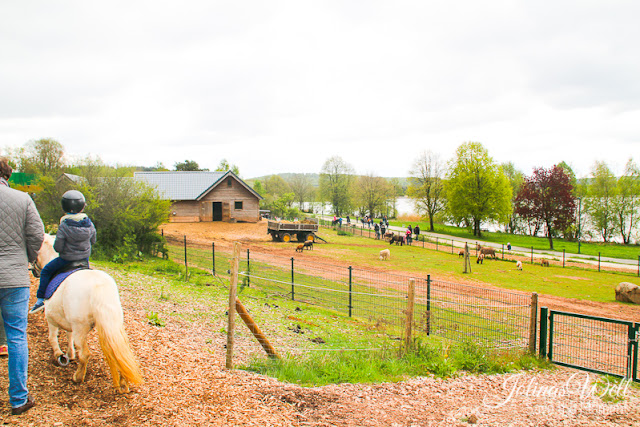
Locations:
(546, 197)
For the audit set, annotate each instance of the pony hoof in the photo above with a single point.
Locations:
(62, 360)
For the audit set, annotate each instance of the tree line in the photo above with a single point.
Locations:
(472, 189)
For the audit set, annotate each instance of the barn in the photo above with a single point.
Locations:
(205, 196)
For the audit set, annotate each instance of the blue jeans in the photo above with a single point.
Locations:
(14, 303)
(47, 274)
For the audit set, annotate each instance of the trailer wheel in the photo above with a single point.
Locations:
(275, 237)
(311, 237)
(286, 237)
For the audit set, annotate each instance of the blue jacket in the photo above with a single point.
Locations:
(75, 236)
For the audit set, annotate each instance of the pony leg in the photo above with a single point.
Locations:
(71, 350)
(80, 337)
(53, 341)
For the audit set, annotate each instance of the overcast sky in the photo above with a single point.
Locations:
(278, 86)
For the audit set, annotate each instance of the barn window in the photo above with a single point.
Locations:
(229, 182)
(238, 206)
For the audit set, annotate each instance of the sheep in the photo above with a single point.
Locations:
(544, 262)
(488, 252)
(480, 259)
(385, 254)
(460, 253)
(519, 265)
(308, 244)
(299, 248)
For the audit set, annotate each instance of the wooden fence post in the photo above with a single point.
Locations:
(410, 304)
(255, 330)
(533, 323)
(233, 289)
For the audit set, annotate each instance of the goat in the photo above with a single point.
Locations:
(519, 265)
(397, 239)
(299, 248)
(480, 259)
(385, 254)
(488, 252)
(544, 262)
(308, 244)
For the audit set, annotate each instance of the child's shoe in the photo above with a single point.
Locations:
(4, 351)
(39, 305)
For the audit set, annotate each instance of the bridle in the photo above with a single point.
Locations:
(35, 269)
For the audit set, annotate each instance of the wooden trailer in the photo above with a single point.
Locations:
(282, 231)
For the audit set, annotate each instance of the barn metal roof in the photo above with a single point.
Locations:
(186, 185)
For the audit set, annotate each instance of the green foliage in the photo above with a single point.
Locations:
(476, 188)
(188, 165)
(336, 178)
(42, 157)
(224, 166)
(155, 320)
(371, 194)
(602, 191)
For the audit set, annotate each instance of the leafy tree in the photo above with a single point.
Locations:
(188, 165)
(225, 166)
(42, 157)
(427, 185)
(372, 193)
(276, 186)
(476, 187)
(546, 197)
(602, 191)
(336, 178)
(302, 188)
(627, 202)
(516, 179)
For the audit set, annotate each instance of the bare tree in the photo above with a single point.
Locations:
(42, 157)
(427, 186)
(336, 177)
(302, 189)
(372, 193)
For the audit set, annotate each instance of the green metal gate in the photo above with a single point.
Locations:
(590, 343)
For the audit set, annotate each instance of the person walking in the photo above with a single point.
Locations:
(376, 227)
(416, 231)
(21, 236)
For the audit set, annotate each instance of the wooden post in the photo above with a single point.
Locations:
(410, 303)
(467, 261)
(255, 330)
(233, 289)
(533, 323)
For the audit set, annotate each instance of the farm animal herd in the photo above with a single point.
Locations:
(483, 252)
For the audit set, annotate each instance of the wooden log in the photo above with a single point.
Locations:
(255, 330)
(233, 290)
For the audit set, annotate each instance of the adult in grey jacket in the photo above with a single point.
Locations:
(21, 236)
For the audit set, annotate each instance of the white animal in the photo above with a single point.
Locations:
(519, 265)
(84, 300)
(385, 254)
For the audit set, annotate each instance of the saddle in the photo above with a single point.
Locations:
(63, 273)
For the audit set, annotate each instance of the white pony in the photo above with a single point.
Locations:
(85, 299)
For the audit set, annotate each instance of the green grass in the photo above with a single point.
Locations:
(569, 282)
(426, 357)
(613, 250)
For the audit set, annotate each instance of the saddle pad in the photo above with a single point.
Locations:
(56, 281)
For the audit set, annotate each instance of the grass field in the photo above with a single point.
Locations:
(613, 250)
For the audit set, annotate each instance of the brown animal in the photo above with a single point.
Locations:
(488, 252)
(308, 244)
(461, 253)
(480, 259)
(299, 248)
(544, 262)
(388, 235)
(397, 239)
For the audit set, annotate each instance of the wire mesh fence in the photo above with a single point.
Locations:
(373, 300)
(589, 343)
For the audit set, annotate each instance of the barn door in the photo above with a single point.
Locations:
(217, 211)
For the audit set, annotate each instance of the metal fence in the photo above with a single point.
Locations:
(493, 317)
(589, 343)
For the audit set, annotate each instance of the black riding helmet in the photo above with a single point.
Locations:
(73, 201)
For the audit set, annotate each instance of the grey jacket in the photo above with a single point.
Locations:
(21, 236)
(75, 236)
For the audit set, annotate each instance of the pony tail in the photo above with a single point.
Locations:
(112, 336)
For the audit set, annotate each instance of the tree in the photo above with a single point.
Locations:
(188, 165)
(601, 194)
(336, 177)
(224, 166)
(516, 179)
(372, 193)
(302, 189)
(276, 186)
(42, 157)
(546, 196)
(427, 185)
(476, 187)
(627, 202)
